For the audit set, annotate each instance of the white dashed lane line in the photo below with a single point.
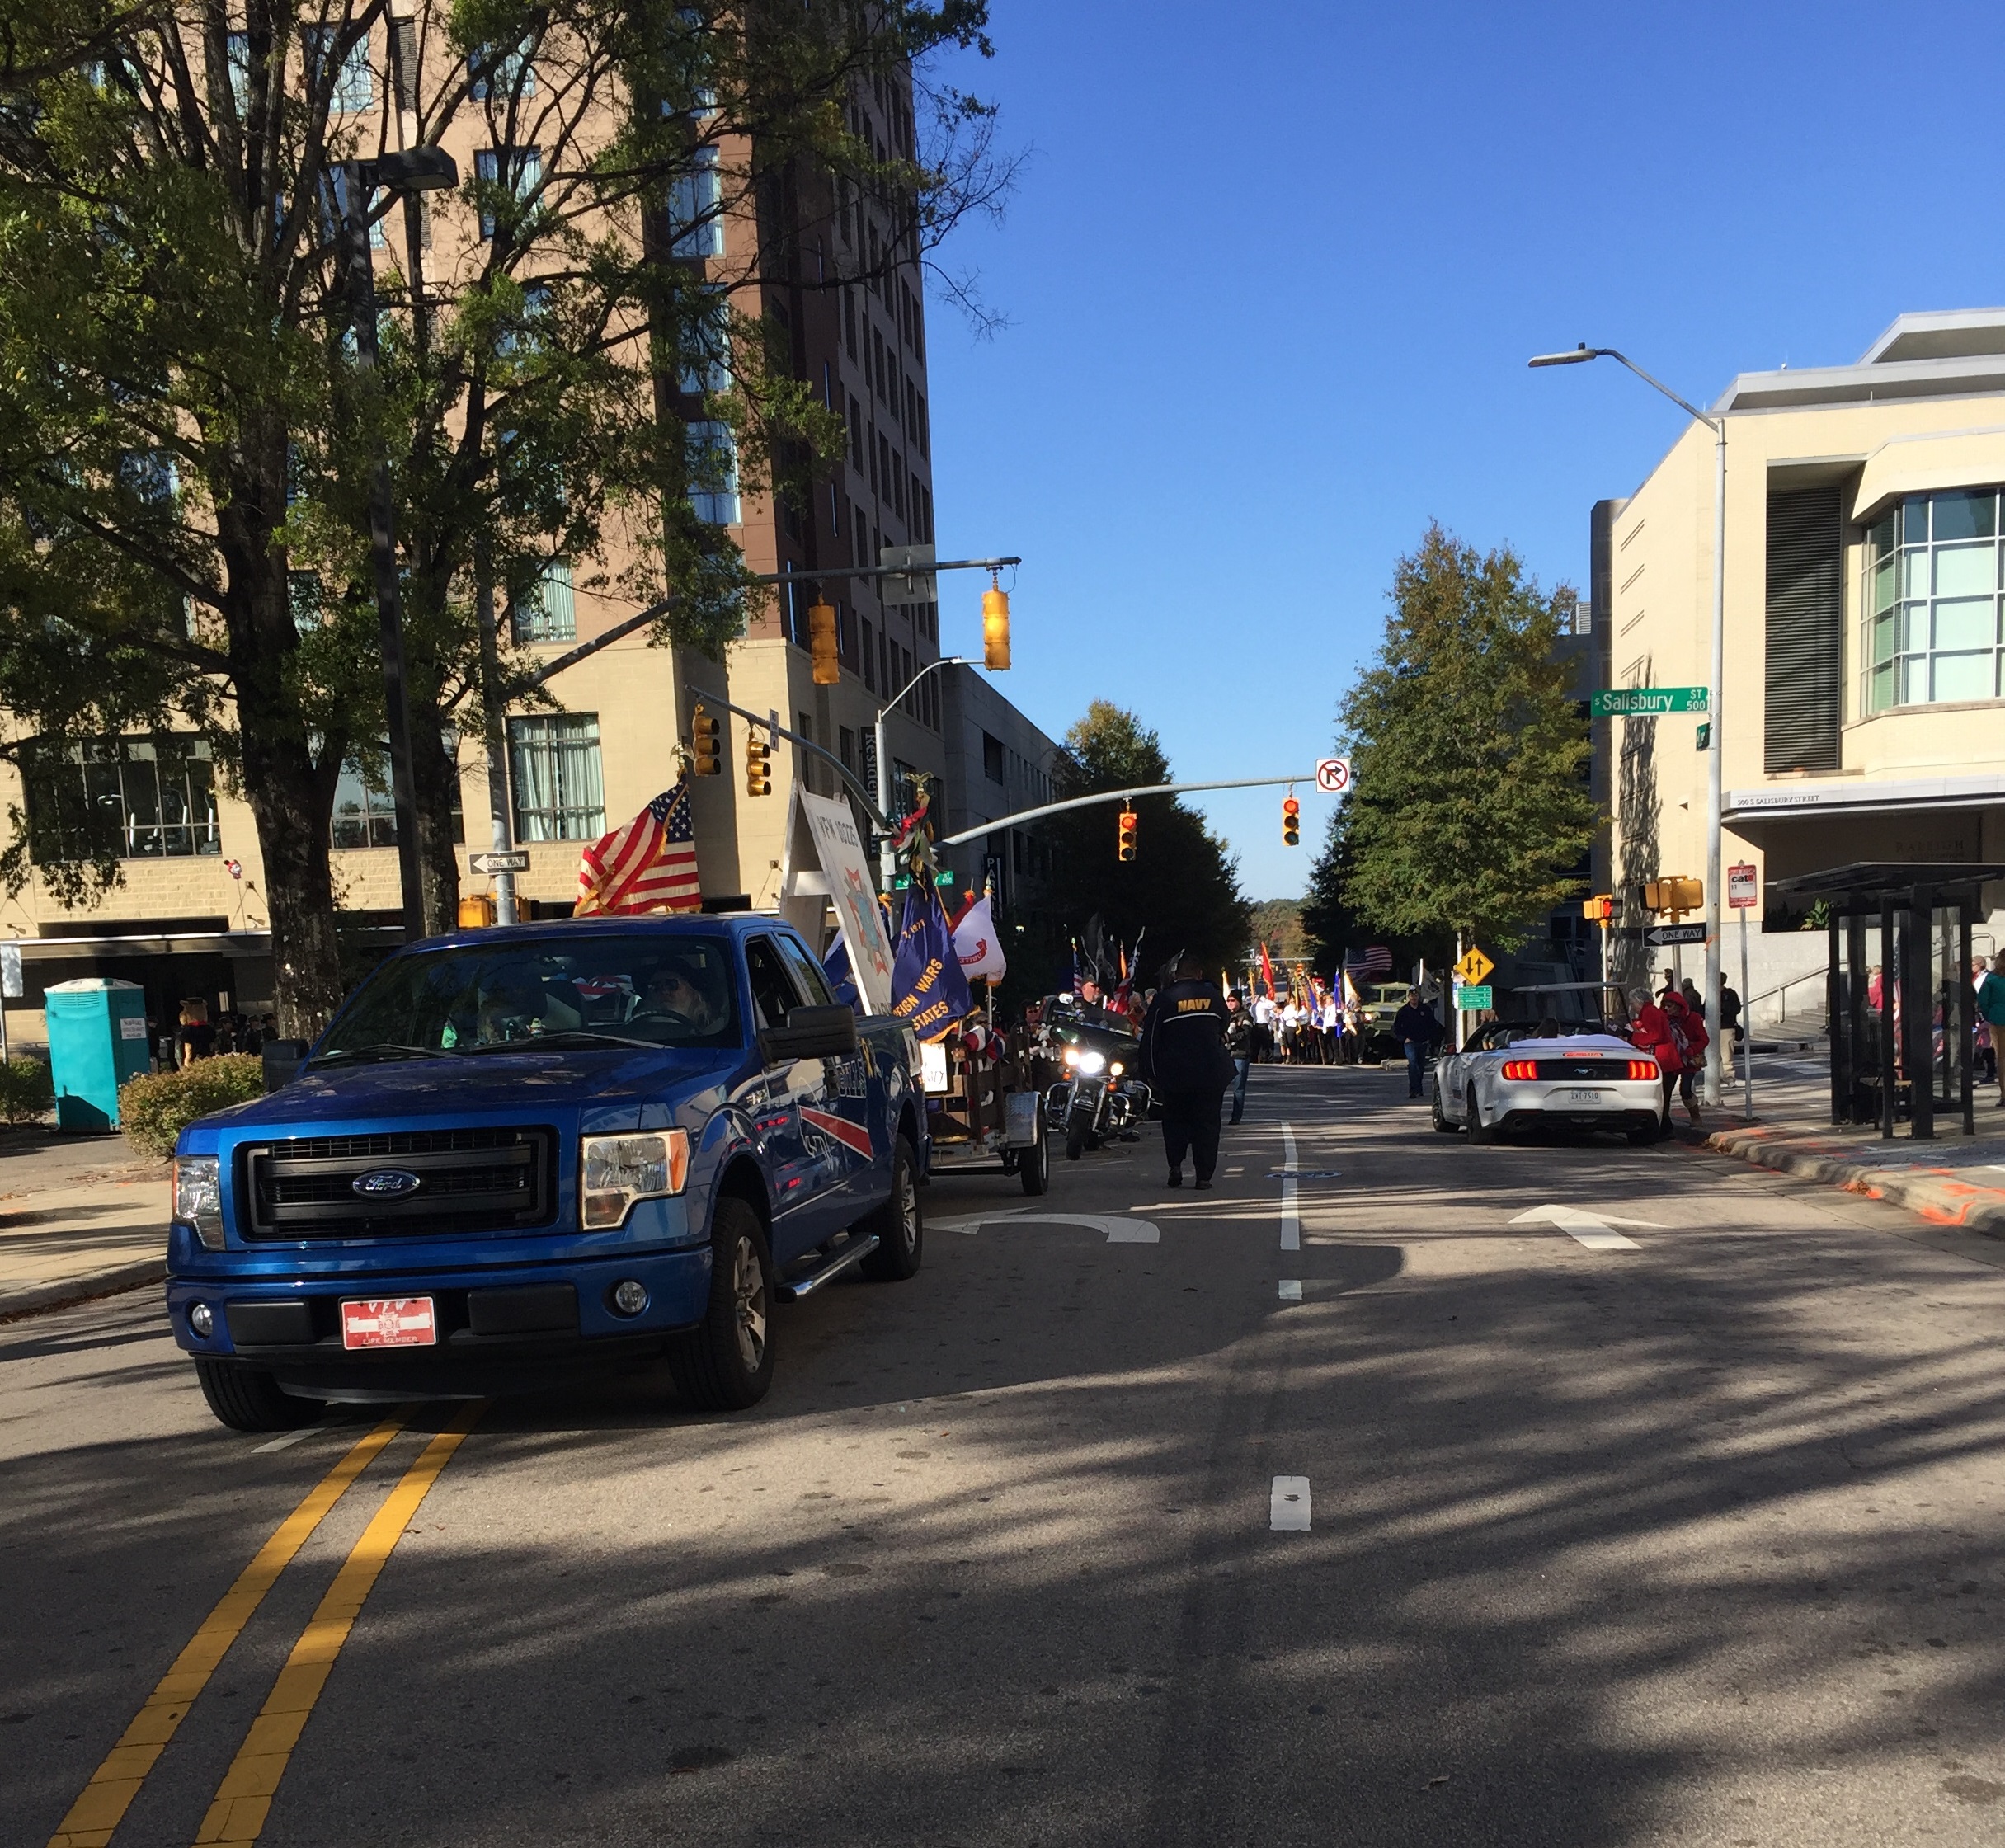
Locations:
(1288, 1507)
(1291, 1289)
(1291, 1220)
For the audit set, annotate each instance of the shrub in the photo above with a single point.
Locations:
(155, 1108)
(27, 1090)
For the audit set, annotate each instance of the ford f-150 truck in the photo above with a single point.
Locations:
(517, 1149)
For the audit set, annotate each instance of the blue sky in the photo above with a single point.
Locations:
(1271, 277)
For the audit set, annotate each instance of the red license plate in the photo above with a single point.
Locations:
(389, 1322)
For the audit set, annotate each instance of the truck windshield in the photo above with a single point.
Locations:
(637, 989)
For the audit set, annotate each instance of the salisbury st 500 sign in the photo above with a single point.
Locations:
(1648, 701)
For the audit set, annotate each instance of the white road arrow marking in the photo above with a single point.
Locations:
(1119, 1231)
(1592, 1229)
(1287, 1505)
(1291, 1220)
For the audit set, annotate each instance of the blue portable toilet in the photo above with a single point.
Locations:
(96, 1041)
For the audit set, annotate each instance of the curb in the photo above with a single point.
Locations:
(14, 1303)
(1934, 1194)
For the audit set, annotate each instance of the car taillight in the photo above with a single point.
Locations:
(1520, 1068)
(1643, 1067)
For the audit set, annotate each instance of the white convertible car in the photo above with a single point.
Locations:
(1508, 1077)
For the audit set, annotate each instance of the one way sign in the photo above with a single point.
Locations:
(514, 861)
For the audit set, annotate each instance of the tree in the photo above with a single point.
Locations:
(1181, 886)
(1331, 926)
(1278, 922)
(1471, 806)
(184, 441)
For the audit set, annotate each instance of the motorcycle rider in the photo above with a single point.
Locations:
(1183, 1056)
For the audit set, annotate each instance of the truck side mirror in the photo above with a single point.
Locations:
(810, 1033)
(283, 1059)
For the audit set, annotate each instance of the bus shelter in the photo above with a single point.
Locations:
(1902, 1005)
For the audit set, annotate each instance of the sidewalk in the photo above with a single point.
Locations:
(79, 1216)
(1955, 1180)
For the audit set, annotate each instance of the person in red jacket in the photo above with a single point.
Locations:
(1651, 1031)
(1688, 1030)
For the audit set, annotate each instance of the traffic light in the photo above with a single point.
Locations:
(758, 766)
(1291, 822)
(995, 627)
(706, 747)
(822, 643)
(1597, 910)
(1125, 846)
(1674, 895)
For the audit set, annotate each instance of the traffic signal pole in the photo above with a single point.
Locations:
(1023, 815)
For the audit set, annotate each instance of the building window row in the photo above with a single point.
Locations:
(1935, 582)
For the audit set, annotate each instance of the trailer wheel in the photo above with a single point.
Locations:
(1033, 1164)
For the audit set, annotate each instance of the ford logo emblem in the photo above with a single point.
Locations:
(385, 1184)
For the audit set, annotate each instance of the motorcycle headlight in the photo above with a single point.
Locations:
(1116, 1069)
(197, 1197)
(1091, 1062)
(614, 1171)
(1072, 1056)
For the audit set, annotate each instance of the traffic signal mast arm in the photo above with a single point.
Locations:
(769, 722)
(1024, 815)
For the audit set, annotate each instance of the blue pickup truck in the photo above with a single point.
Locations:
(516, 1150)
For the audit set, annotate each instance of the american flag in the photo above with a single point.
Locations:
(1378, 960)
(649, 865)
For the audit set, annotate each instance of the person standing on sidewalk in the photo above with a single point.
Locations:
(1239, 1045)
(1416, 1029)
(1183, 1056)
(1991, 1009)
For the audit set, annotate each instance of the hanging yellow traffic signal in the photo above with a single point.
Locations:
(706, 748)
(822, 643)
(1291, 822)
(758, 766)
(995, 627)
(1125, 846)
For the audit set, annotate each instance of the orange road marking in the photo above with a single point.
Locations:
(244, 1799)
(105, 1800)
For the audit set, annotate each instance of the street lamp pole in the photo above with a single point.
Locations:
(886, 870)
(415, 170)
(1714, 798)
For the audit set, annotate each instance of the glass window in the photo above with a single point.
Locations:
(713, 454)
(808, 975)
(666, 989)
(1930, 605)
(508, 74)
(365, 811)
(706, 359)
(237, 53)
(696, 207)
(774, 995)
(549, 613)
(143, 798)
(354, 88)
(520, 169)
(559, 791)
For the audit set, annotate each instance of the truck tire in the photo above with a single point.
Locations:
(899, 1225)
(1033, 1164)
(726, 1363)
(248, 1398)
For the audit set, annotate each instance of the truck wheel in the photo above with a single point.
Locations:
(901, 1230)
(726, 1364)
(248, 1399)
(1033, 1164)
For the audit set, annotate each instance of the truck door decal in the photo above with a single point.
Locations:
(851, 1136)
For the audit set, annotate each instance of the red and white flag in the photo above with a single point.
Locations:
(649, 865)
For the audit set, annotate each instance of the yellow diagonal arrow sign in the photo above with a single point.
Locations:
(1474, 967)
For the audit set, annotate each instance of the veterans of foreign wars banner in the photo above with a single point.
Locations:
(930, 993)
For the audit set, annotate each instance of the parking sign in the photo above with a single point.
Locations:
(1742, 887)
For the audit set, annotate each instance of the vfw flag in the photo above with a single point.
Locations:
(977, 944)
(929, 993)
(649, 865)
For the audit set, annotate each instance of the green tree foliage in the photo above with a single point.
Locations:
(1181, 886)
(1470, 805)
(184, 441)
(1278, 922)
(1331, 926)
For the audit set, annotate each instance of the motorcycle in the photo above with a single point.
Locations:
(1096, 1100)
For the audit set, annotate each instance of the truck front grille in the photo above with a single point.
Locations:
(467, 1180)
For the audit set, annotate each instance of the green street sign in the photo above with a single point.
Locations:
(1472, 999)
(1649, 702)
(901, 881)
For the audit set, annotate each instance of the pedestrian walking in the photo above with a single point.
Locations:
(1991, 1009)
(1239, 1045)
(1417, 1029)
(1183, 1056)
(1730, 1021)
(1688, 1030)
(1651, 1031)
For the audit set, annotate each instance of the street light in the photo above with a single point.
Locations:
(1717, 425)
(412, 170)
(886, 866)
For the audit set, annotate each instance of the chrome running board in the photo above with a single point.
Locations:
(853, 1252)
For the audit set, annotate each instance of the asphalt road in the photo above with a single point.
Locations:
(1695, 1540)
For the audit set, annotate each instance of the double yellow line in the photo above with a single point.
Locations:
(244, 1798)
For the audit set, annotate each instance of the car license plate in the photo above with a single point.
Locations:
(389, 1322)
(1586, 1097)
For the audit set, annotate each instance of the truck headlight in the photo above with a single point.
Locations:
(615, 1171)
(197, 1197)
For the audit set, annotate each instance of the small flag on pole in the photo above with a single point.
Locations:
(649, 865)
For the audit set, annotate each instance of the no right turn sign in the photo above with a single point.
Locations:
(1333, 775)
